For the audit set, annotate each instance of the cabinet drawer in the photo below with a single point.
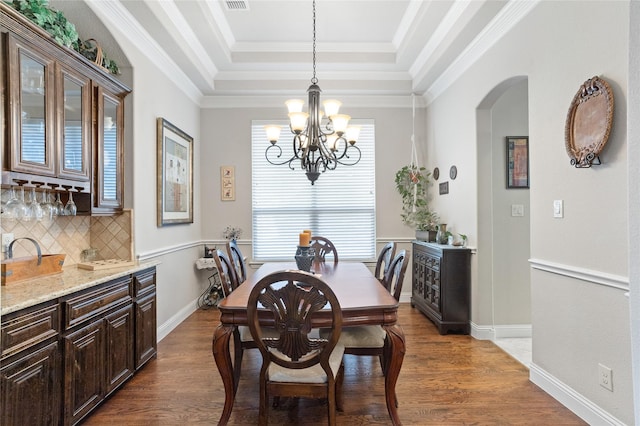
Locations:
(25, 329)
(95, 302)
(144, 282)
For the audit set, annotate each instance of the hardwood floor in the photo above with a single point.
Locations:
(445, 380)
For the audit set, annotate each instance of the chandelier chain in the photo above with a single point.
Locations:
(319, 143)
(314, 80)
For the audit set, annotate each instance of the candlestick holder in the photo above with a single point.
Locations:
(304, 258)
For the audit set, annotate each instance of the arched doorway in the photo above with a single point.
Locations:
(503, 290)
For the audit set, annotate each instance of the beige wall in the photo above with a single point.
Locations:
(227, 141)
(579, 311)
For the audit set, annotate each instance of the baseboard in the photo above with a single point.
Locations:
(578, 404)
(175, 320)
(489, 332)
(509, 331)
(482, 332)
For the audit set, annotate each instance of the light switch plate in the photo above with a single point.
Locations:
(558, 208)
(517, 210)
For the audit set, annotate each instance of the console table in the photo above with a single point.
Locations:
(441, 285)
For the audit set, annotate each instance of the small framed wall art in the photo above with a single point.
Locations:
(517, 162)
(227, 183)
(175, 175)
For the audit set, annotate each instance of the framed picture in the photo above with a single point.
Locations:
(443, 188)
(227, 183)
(517, 162)
(175, 175)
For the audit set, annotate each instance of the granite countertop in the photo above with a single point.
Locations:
(30, 292)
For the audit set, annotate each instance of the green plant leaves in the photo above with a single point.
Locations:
(412, 183)
(55, 23)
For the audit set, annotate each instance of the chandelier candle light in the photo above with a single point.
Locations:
(319, 143)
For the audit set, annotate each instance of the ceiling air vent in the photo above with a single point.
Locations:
(236, 5)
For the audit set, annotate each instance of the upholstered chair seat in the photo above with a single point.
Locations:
(314, 374)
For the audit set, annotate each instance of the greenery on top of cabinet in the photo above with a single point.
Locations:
(64, 32)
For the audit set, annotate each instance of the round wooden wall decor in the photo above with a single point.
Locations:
(589, 122)
(436, 173)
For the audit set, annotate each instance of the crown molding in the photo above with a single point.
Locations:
(124, 26)
(505, 20)
(277, 101)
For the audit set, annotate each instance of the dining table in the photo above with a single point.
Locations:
(363, 301)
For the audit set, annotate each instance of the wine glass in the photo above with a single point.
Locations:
(59, 205)
(48, 208)
(13, 208)
(70, 209)
(34, 206)
(24, 208)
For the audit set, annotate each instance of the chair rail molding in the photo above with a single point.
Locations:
(596, 277)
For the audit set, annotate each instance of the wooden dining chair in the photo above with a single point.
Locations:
(385, 257)
(323, 247)
(241, 336)
(226, 272)
(296, 364)
(371, 340)
(238, 260)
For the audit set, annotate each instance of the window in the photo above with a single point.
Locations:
(339, 206)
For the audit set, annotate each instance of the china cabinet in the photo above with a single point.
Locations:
(63, 118)
(441, 285)
(109, 152)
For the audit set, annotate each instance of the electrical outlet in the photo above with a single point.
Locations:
(6, 240)
(605, 377)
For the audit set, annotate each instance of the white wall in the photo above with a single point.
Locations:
(577, 322)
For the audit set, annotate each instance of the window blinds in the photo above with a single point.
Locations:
(339, 206)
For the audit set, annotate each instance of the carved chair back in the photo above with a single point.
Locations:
(226, 272)
(292, 298)
(324, 248)
(395, 275)
(235, 255)
(385, 257)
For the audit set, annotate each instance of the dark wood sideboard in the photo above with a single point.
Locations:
(441, 285)
(60, 359)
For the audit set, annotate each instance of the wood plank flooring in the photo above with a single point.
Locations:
(445, 380)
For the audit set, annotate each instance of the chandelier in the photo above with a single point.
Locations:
(321, 139)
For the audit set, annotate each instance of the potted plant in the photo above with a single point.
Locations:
(411, 183)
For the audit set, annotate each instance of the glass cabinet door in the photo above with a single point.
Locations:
(32, 122)
(110, 151)
(74, 126)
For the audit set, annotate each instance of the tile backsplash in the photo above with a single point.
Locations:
(112, 236)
